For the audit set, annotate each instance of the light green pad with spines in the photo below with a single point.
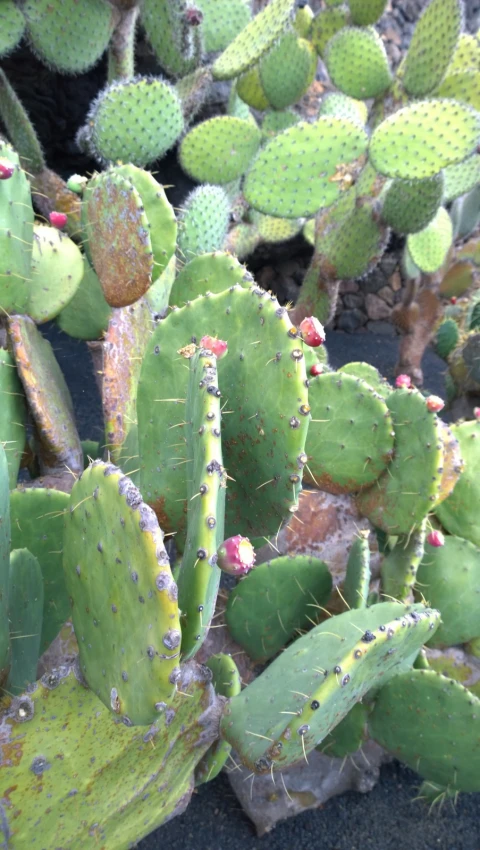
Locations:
(199, 576)
(4, 567)
(357, 62)
(177, 45)
(277, 122)
(219, 150)
(271, 378)
(208, 273)
(348, 736)
(293, 705)
(409, 205)
(16, 236)
(222, 21)
(25, 610)
(67, 35)
(272, 229)
(466, 54)
(254, 40)
(408, 145)
(276, 186)
(463, 86)
(12, 415)
(203, 223)
(357, 580)
(249, 91)
(449, 577)
(429, 247)
(366, 12)
(226, 681)
(287, 70)
(325, 24)
(407, 491)
(400, 564)
(57, 270)
(37, 518)
(432, 724)
(86, 315)
(350, 438)
(157, 297)
(461, 178)
(351, 240)
(124, 766)
(370, 375)
(135, 121)
(12, 25)
(274, 601)
(432, 46)
(459, 512)
(124, 598)
(342, 106)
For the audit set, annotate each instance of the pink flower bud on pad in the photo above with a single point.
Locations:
(58, 220)
(6, 169)
(236, 556)
(218, 347)
(403, 382)
(435, 403)
(436, 538)
(312, 331)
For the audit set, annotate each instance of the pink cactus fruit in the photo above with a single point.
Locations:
(316, 369)
(476, 413)
(403, 382)
(435, 403)
(236, 556)
(6, 169)
(218, 347)
(313, 332)
(58, 220)
(436, 538)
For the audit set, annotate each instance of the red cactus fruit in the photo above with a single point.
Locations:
(436, 538)
(316, 369)
(453, 299)
(313, 332)
(236, 556)
(58, 220)
(218, 347)
(6, 169)
(435, 403)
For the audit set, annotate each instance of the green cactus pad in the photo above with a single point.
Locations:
(57, 269)
(430, 246)
(463, 86)
(410, 717)
(277, 122)
(16, 236)
(273, 186)
(348, 736)
(314, 683)
(400, 564)
(350, 438)
(37, 517)
(48, 398)
(461, 178)
(274, 601)
(107, 771)
(408, 145)
(303, 20)
(135, 121)
(466, 54)
(193, 90)
(157, 297)
(177, 45)
(351, 241)
(226, 681)
(449, 577)
(287, 70)
(254, 40)
(12, 415)
(203, 223)
(62, 35)
(12, 25)
(357, 63)
(265, 461)
(86, 316)
(370, 375)
(219, 150)
(242, 240)
(432, 46)
(446, 338)
(249, 89)
(325, 25)
(366, 12)
(356, 586)
(406, 492)
(25, 612)
(272, 229)
(410, 205)
(208, 273)
(342, 106)
(222, 21)
(124, 598)
(4, 568)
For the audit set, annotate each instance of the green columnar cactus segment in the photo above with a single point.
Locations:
(350, 439)
(410, 717)
(276, 122)
(208, 273)
(48, 398)
(432, 46)
(16, 236)
(357, 580)
(400, 565)
(348, 736)
(463, 86)
(449, 577)
(157, 297)
(274, 601)
(313, 684)
(446, 338)
(272, 186)
(287, 71)
(342, 106)
(124, 598)
(12, 415)
(125, 767)
(370, 375)
(366, 12)
(408, 145)
(62, 35)
(178, 45)
(203, 223)
(405, 493)
(265, 461)
(357, 62)
(226, 681)
(25, 612)
(199, 576)
(410, 205)
(37, 517)
(86, 316)
(12, 25)
(135, 121)
(430, 246)
(254, 40)
(249, 89)
(4, 568)
(219, 150)
(325, 24)
(223, 21)
(57, 269)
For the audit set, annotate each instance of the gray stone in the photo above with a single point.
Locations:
(352, 300)
(385, 328)
(351, 320)
(387, 294)
(374, 281)
(376, 308)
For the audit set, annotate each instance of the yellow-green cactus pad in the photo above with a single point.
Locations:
(432, 46)
(430, 246)
(219, 150)
(357, 62)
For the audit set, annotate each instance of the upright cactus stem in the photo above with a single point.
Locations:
(121, 50)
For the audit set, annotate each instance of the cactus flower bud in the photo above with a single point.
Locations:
(218, 347)
(6, 169)
(453, 299)
(476, 413)
(312, 331)
(76, 183)
(316, 369)
(236, 556)
(436, 538)
(58, 220)
(403, 382)
(435, 403)
(194, 17)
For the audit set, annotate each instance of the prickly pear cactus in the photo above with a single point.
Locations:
(25, 612)
(400, 564)
(12, 415)
(226, 681)
(86, 316)
(357, 580)
(219, 150)
(357, 62)
(16, 236)
(4, 568)
(12, 25)
(176, 43)
(457, 513)
(287, 71)
(223, 21)
(57, 269)
(429, 247)
(212, 273)
(410, 205)
(203, 223)
(432, 46)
